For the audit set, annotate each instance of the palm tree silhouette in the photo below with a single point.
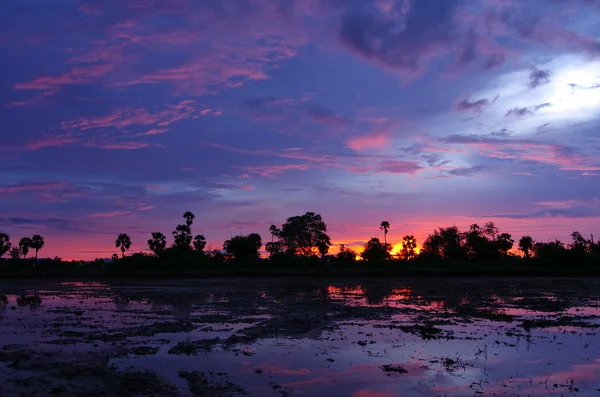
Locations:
(409, 244)
(385, 226)
(157, 243)
(5, 244)
(24, 244)
(182, 236)
(274, 232)
(189, 218)
(199, 243)
(124, 242)
(37, 243)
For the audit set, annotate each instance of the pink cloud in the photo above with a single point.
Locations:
(58, 140)
(109, 214)
(362, 143)
(127, 117)
(39, 186)
(152, 187)
(155, 131)
(119, 145)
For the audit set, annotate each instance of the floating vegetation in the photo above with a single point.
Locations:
(391, 369)
(29, 300)
(217, 385)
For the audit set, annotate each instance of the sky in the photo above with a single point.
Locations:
(118, 116)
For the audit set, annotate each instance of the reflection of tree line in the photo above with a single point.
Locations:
(33, 301)
(455, 295)
(303, 240)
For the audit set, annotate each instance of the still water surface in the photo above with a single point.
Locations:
(282, 337)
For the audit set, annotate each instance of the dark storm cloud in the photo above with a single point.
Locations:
(404, 41)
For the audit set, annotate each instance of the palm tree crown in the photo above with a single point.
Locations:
(189, 218)
(5, 244)
(385, 226)
(124, 242)
(24, 244)
(37, 243)
(199, 242)
(157, 243)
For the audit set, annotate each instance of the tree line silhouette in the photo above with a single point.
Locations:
(305, 237)
(36, 242)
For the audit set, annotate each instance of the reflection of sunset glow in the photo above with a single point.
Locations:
(342, 291)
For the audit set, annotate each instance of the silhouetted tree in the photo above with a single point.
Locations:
(189, 218)
(199, 243)
(243, 248)
(115, 257)
(376, 251)
(346, 255)
(24, 245)
(409, 244)
(15, 253)
(526, 245)
(504, 243)
(445, 243)
(554, 250)
(490, 231)
(273, 248)
(305, 235)
(477, 245)
(274, 232)
(5, 244)
(124, 242)
(579, 248)
(37, 243)
(158, 243)
(385, 226)
(182, 236)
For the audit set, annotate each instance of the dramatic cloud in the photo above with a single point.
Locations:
(538, 77)
(119, 116)
(476, 106)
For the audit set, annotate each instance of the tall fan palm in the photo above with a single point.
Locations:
(24, 244)
(5, 244)
(409, 244)
(274, 232)
(157, 243)
(124, 242)
(182, 236)
(37, 243)
(385, 226)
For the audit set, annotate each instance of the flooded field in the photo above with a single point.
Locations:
(294, 337)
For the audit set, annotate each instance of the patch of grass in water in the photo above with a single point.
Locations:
(391, 369)
(192, 348)
(209, 386)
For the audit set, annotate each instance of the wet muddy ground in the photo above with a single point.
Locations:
(292, 337)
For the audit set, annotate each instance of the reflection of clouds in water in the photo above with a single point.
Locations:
(367, 330)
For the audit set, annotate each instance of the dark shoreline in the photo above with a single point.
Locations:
(480, 271)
